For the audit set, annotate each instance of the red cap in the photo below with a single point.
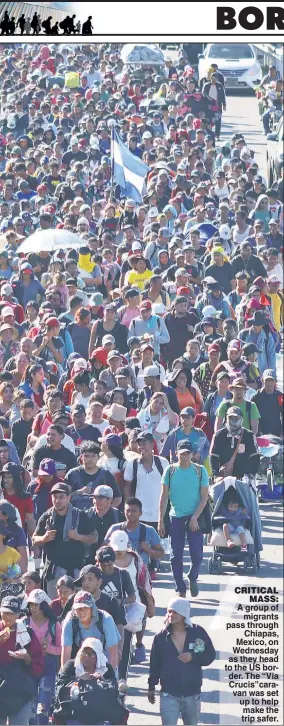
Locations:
(52, 323)
(214, 348)
(146, 305)
(101, 355)
(183, 291)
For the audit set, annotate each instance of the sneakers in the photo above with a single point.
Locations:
(139, 654)
(122, 686)
(244, 548)
(193, 588)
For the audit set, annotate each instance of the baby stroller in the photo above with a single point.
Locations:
(245, 493)
(270, 479)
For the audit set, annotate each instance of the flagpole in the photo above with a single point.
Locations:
(112, 165)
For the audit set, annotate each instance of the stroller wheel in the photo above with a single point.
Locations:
(270, 480)
(210, 566)
(254, 564)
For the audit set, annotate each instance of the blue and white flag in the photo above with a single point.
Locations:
(127, 170)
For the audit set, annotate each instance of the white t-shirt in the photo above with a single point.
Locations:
(148, 488)
(67, 442)
(239, 237)
(102, 426)
(277, 270)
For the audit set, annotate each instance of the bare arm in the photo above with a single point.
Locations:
(93, 338)
(23, 562)
(65, 654)
(116, 502)
(254, 426)
(162, 509)
(203, 501)
(31, 524)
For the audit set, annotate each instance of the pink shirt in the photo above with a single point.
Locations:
(42, 631)
(129, 315)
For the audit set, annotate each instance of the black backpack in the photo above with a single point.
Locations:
(76, 632)
(158, 464)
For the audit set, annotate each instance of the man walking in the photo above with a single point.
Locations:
(177, 656)
(186, 486)
(216, 91)
(62, 532)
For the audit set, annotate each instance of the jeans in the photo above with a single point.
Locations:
(171, 708)
(153, 562)
(124, 664)
(22, 718)
(178, 528)
(218, 122)
(46, 691)
(266, 120)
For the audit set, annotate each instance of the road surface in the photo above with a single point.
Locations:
(241, 116)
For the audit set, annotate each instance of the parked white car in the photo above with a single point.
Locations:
(237, 61)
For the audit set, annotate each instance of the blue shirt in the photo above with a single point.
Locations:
(185, 488)
(152, 538)
(112, 636)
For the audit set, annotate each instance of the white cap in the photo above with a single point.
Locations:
(153, 212)
(83, 220)
(80, 364)
(6, 290)
(38, 596)
(119, 541)
(273, 279)
(7, 311)
(147, 135)
(151, 371)
(159, 309)
(225, 232)
(136, 246)
(209, 311)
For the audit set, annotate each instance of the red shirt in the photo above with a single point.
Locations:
(34, 650)
(25, 506)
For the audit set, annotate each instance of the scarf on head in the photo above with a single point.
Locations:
(236, 428)
(181, 606)
(84, 262)
(97, 647)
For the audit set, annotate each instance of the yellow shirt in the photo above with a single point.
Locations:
(7, 558)
(277, 309)
(135, 279)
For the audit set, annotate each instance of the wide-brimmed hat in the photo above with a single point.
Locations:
(238, 383)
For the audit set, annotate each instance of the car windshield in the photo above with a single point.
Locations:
(230, 52)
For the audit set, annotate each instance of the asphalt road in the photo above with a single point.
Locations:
(212, 608)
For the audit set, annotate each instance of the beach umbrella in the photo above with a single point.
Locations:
(51, 240)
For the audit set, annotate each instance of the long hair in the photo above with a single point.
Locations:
(46, 611)
(17, 473)
(126, 403)
(30, 372)
(176, 373)
(117, 452)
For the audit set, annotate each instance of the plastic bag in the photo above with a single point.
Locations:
(134, 614)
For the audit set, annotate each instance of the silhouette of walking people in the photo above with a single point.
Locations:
(28, 27)
(35, 24)
(68, 25)
(78, 28)
(87, 27)
(12, 26)
(46, 25)
(55, 29)
(22, 22)
(5, 24)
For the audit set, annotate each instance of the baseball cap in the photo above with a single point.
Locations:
(153, 212)
(119, 541)
(213, 348)
(47, 468)
(78, 408)
(82, 599)
(272, 221)
(146, 305)
(188, 411)
(103, 491)
(6, 290)
(11, 605)
(225, 232)
(113, 354)
(209, 311)
(131, 293)
(88, 569)
(96, 299)
(221, 375)
(38, 596)
(63, 488)
(111, 440)
(273, 280)
(184, 446)
(145, 436)
(235, 345)
(152, 372)
(235, 411)
(146, 346)
(106, 554)
(267, 374)
(107, 339)
(52, 323)
(6, 312)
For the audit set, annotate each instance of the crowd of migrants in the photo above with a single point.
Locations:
(129, 369)
(26, 25)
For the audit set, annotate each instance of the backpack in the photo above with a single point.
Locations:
(142, 531)
(76, 633)
(248, 409)
(157, 462)
(204, 518)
